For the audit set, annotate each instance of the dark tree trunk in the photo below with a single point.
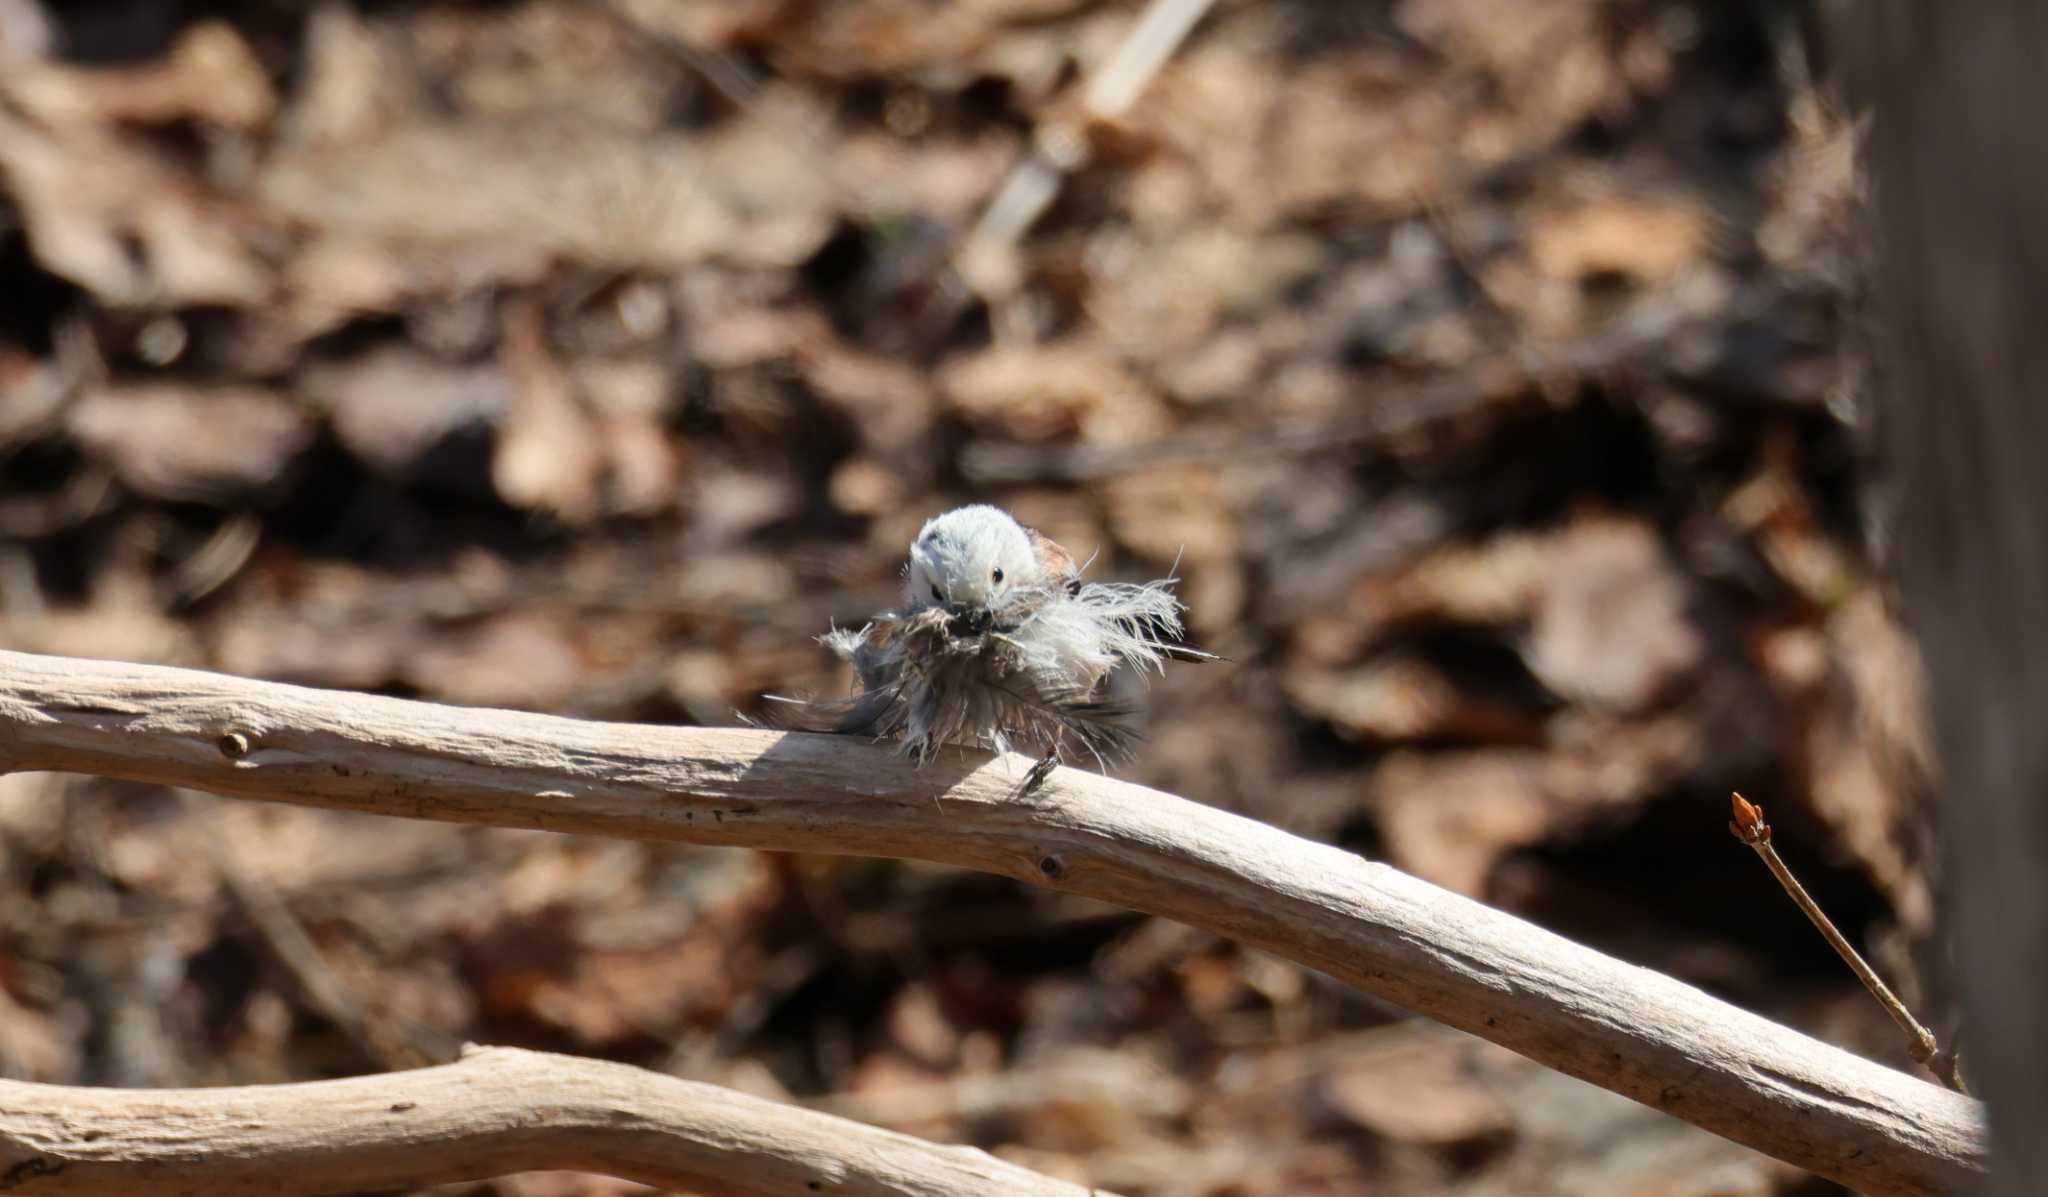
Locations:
(1960, 156)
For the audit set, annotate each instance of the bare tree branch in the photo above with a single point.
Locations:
(1628, 1029)
(497, 1110)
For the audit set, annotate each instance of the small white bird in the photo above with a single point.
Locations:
(1000, 644)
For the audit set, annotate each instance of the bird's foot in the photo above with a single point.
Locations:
(1039, 772)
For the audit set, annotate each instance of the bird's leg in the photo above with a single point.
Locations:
(1046, 764)
(1040, 771)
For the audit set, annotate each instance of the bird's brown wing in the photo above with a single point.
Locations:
(1054, 559)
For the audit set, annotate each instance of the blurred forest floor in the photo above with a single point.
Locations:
(1486, 366)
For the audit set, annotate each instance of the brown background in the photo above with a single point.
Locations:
(1483, 364)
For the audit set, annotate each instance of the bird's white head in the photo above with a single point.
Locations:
(966, 561)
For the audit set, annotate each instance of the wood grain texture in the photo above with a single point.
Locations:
(1455, 960)
(497, 1110)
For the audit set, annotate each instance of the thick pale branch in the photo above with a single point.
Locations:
(495, 1111)
(1631, 1030)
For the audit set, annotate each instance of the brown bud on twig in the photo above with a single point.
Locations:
(1748, 826)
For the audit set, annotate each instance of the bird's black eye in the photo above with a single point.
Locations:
(936, 594)
(999, 573)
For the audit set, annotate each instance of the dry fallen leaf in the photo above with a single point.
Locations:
(1610, 628)
(179, 442)
(1643, 239)
(211, 76)
(548, 456)
(578, 190)
(1424, 1094)
(390, 406)
(1052, 392)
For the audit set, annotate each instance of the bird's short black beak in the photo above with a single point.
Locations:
(971, 621)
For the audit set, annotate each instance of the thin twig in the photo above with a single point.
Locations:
(294, 951)
(1034, 183)
(1749, 827)
(1646, 335)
